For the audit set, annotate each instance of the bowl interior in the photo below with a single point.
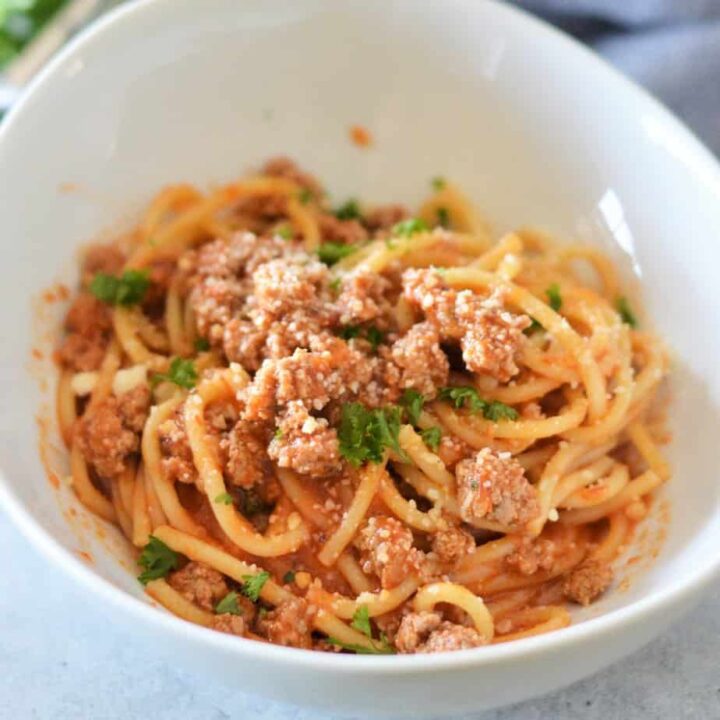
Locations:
(536, 132)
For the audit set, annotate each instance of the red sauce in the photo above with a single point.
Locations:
(86, 556)
(360, 136)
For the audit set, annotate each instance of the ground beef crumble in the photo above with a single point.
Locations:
(199, 584)
(108, 433)
(489, 335)
(532, 555)
(452, 544)
(388, 551)
(345, 232)
(88, 325)
(305, 443)
(427, 632)
(245, 451)
(588, 581)
(177, 461)
(493, 486)
(290, 623)
(423, 365)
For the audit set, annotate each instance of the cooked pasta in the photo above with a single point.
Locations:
(358, 430)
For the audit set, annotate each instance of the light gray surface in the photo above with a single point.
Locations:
(60, 659)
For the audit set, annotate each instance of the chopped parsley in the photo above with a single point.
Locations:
(285, 232)
(157, 559)
(278, 433)
(361, 620)
(497, 411)
(409, 227)
(626, 313)
(413, 402)
(462, 396)
(375, 337)
(431, 437)
(289, 577)
(182, 372)
(381, 647)
(201, 344)
(443, 217)
(229, 604)
(361, 623)
(372, 334)
(348, 332)
(126, 290)
(534, 325)
(365, 434)
(468, 397)
(554, 297)
(348, 211)
(335, 284)
(253, 585)
(438, 183)
(331, 252)
(224, 499)
(305, 196)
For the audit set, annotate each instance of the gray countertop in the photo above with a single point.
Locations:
(61, 660)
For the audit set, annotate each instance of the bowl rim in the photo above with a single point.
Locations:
(572, 636)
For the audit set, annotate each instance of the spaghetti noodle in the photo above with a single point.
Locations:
(357, 430)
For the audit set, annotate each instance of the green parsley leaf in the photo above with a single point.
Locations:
(381, 648)
(348, 332)
(278, 433)
(626, 313)
(364, 434)
(413, 402)
(463, 396)
(201, 344)
(438, 183)
(331, 252)
(305, 196)
(253, 585)
(289, 577)
(157, 559)
(374, 337)
(126, 290)
(409, 227)
(534, 325)
(224, 499)
(554, 297)
(443, 217)
(349, 211)
(182, 372)
(431, 437)
(229, 604)
(285, 232)
(468, 397)
(497, 411)
(335, 284)
(361, 621)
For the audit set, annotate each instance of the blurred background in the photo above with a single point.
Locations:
(672, 47)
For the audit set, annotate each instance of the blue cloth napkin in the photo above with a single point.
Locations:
(672, 47)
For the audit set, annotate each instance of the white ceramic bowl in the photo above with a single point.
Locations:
(534, 127)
